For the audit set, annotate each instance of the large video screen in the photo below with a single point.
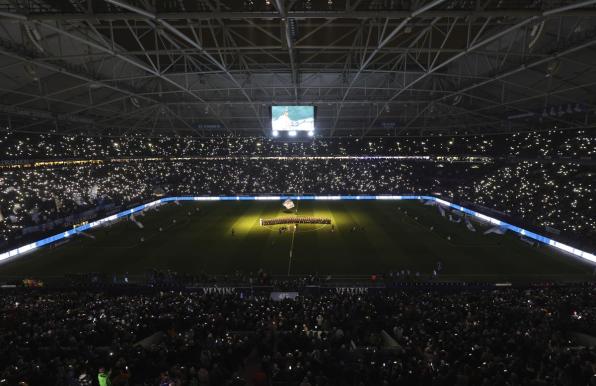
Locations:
(292, 119)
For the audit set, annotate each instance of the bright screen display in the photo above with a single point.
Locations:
(292, 118)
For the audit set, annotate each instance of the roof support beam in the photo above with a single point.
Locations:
(416, 39)
(86, 78)
(384, 42)
(188, 40)
(40, 114)
(523, 67)
(128, 60)
(124, 58)
(289, 43)
(293, 64)
(301, 15)
(476, 46)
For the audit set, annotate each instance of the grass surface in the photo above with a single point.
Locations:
(391, 236)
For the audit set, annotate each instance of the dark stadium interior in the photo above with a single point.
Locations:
(276, 274)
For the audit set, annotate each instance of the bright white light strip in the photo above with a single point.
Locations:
(389, 198)
(488, 219)
(267, 198)
(60, 236)
(442, 202)
(327, 197)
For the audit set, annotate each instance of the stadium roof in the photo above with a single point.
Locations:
(372, 67)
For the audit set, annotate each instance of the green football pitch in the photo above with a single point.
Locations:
(365, 238)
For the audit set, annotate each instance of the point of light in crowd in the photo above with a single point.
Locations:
(311, 133)
(275, 133)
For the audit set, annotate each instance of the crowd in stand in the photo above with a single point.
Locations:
(171, 338)
(168, 335)
(538, 191)
(552, 143)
